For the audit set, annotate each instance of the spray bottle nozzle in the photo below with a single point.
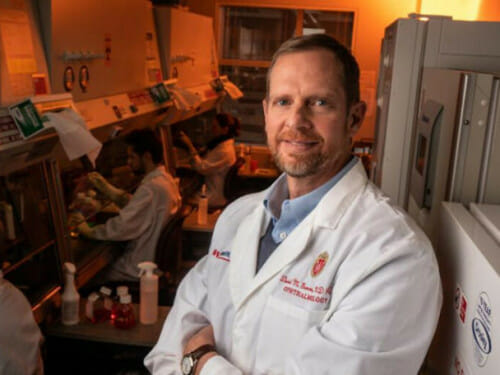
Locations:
(69, 268)
(146, 267)
(204, 190)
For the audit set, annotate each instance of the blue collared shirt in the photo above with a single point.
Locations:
(287, 214)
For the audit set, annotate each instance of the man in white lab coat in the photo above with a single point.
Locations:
(218, 159)
(143, 215)
(318, 274)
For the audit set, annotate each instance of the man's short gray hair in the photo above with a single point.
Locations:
(322, 41)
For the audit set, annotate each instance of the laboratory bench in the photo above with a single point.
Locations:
(99, 348)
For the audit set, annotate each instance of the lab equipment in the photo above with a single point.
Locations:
(90, 307)
(468, 335)
(148, 311)
(125, 317)
(107, 303)
(456, 144)
(70, 314)
(8, 216)
(409, 45)
(120, 291)
(203, 206)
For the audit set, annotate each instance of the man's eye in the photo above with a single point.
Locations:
(282, 102)
(319, 102)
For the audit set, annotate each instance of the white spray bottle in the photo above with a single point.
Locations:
(70, 298)
(148, 310)
(203, 206)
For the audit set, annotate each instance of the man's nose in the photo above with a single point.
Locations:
(298, 117)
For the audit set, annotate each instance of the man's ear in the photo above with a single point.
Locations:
(355, 118)
(264, 107)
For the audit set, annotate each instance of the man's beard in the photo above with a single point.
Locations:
(140, 170)
(302, 165)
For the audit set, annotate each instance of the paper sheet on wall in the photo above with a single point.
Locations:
(75, 138)
(17, 44)
(183, 99)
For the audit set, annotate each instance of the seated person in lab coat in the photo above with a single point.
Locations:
(217, 160)
(20, 336)
(142, 215)
(319, 273)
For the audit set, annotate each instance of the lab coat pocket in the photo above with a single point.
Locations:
(283, 327)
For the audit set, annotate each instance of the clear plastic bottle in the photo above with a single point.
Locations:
(91, 306)
(203, 206)
(8, 216)
(248, 158)
(70, 313)
(148, 310)
(125, 317)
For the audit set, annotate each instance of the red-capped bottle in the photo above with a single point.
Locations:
(120, 291)
(125, 317)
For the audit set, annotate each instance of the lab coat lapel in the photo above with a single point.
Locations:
(244, 253)
(285, 253)
(328, 213)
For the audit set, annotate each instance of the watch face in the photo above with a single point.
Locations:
(186, 365)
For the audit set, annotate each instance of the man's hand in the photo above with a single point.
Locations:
(118, 196)
(75, 219)
(99, 182)
(204, 336)
(184, 138)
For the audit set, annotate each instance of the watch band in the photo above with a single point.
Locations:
(196, 354)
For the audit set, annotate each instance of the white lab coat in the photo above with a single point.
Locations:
(141, 221)
(214, 166)
(20, 336)
(371, 310)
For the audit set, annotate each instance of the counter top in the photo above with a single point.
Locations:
(139, 335)
(190, 223)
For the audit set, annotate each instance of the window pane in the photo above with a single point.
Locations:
(337, 24)
(255, 33)
(252, 81)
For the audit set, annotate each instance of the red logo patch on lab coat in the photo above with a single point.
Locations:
(319, 264)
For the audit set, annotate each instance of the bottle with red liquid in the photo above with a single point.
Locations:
(120, 291)
(92, 301)
(102, 307)
(125, 317)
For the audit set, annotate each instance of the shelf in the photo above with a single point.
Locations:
(10, 244)
(26, 258)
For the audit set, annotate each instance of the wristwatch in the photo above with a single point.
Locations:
(189, 360)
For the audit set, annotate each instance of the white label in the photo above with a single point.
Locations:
(481, 330)
(70, 312)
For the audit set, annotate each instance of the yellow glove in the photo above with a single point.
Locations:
(118, 196)
(76, 219)
(99, 182)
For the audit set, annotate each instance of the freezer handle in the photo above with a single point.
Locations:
(461, 123)
(488, 141)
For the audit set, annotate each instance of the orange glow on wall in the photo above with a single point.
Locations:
(458, 9)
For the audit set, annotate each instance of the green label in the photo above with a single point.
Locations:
(26, 118)
(159, 93)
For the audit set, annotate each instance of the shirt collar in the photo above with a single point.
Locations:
(159, 170)
(277, 196)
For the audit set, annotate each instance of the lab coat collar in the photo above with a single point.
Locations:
(337, 200)
(243, 280)
(158, 171)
